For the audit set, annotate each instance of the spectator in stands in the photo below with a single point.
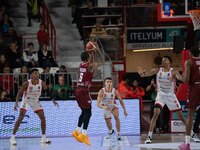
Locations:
(77, 19)
(33, 7)
(3, 62)
(21, 78)
(62, 90)
(12, 36)
(89, 11)
(3, 46)
(42, 36)
(2, 12)
(48, 78)
(6, 84)
(98, 30)
(13, 56)
(63, 72)
(138, 93)
(6, 23)
(124, 89)
(46, 58)
(30, 56)
(23, 75)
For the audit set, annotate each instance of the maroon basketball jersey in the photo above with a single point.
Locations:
(85, 77)
(195, 70)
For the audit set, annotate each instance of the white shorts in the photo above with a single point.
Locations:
(170, 100)
(108, 113)
(33, 103)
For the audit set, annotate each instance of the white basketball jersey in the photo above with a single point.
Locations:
(164, 83)
(33, 91)
(108, 98)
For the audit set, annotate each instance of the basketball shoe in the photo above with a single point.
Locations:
(148, 140)
(45, 140)
(76, 135)
(110, 134)
(13, 141)
(84, 139)
(195, 138)
(184, 146)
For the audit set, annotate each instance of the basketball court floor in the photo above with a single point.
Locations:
(160, 142)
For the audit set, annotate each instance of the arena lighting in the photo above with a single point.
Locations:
(153, 49)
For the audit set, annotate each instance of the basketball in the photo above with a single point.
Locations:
(90, 46)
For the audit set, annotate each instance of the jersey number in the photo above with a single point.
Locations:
(81, 77)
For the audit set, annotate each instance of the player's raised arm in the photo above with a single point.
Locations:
(19, 94)
(121, 102)
(144, 73)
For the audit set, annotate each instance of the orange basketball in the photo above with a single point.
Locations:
(90, 46)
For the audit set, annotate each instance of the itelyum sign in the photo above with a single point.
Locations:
(162, 37)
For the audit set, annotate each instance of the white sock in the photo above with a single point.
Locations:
(118, 133)
(84, 132)
(13, 136)
(192, 133)
(187, 139)
(78, 129)
(150, 134)
(43, 136)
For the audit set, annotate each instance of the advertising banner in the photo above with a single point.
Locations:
(63, 120)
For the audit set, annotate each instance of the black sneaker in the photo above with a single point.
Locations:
(119, 138)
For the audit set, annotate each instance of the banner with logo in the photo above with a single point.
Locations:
(176, 124)
(161, 37)
(63, 120)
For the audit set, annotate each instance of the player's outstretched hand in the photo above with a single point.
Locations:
(140, 71)
(15, 107)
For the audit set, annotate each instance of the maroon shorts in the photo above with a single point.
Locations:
(194, 96)
(83, 97)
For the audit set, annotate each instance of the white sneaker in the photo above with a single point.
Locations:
(110, 134)
(119, 138)
(45, 140)
(13, 141)
(195, 138)
(148, 140)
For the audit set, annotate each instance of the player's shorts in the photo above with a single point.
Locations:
(194, 96)
(33, 103)
(108, 113)
(83, 97)
(170, 100)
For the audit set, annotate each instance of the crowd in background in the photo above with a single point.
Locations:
(14, 57)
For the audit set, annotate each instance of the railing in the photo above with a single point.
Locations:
(46, 19)
(50, 28)
(10, 83)
(102, 57)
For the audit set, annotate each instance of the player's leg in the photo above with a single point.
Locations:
(197, 122)
(107, 117)
(83, 137)
(115, 113)
(17, 124)
(41, 115)
(195, 131)
(188, 128)
(79, 98)
(78, 129)
(156, 114)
